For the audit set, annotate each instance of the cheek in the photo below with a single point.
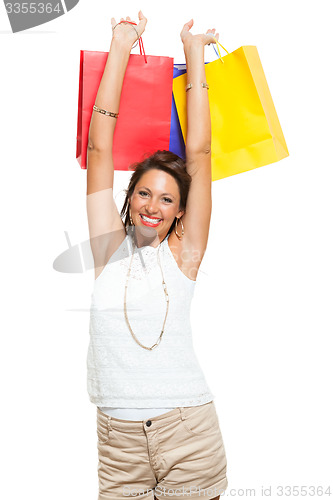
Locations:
(169, 212)
(136, 202)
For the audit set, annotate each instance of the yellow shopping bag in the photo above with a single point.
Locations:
(246, 132)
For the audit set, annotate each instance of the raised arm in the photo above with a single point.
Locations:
(198, 139)
(106, 228)
(100, 163)
(196, 219)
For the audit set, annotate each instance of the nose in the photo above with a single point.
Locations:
(152, 207)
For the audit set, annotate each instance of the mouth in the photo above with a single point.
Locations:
(150, 221)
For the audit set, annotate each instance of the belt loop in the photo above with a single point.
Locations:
(182, 413)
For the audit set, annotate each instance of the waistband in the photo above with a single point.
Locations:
(180, 413)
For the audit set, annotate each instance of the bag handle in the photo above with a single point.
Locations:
(218, 53)
(142, 50)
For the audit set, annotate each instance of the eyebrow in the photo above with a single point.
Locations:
(144, 187)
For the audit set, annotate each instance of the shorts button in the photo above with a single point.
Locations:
(148, 423)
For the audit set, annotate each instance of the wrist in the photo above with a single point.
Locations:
(193, 45)
(121, 45)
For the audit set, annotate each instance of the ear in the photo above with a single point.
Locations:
(180, 214)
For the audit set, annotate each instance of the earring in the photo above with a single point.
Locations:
(130, 218)
(175, 229)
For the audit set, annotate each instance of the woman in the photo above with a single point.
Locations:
(157, 427)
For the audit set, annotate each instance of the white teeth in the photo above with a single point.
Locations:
(152, 221)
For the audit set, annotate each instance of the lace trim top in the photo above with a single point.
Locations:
(122, 374)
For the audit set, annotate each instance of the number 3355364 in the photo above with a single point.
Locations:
(32, 8)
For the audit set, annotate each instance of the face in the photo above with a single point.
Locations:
(156, 195)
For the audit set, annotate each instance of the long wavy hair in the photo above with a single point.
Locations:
(169, 163)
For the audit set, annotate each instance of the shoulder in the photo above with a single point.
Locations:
(186, 256)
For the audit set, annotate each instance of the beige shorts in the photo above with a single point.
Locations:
(178, 455)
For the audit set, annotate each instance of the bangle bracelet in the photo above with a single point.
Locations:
(104, 112)
(136, 31)
(203, 84)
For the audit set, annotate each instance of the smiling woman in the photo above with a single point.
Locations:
(166, 197)
(143, 375)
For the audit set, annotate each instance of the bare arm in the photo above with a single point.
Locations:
(198, 137)
(100, 163)
(196, 219)
(106, 228)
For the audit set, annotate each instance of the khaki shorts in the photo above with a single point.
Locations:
(178, 455)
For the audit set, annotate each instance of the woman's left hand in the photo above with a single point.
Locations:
(205, 38)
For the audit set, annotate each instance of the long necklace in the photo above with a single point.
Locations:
(166, 298)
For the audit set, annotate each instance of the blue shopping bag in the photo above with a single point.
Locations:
(176, 144)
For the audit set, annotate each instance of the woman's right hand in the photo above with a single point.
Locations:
(125, 32)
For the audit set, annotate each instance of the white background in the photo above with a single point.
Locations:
(262, 311)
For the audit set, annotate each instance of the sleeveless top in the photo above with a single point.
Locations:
(122, 374)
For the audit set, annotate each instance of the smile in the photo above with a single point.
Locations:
(150, 222)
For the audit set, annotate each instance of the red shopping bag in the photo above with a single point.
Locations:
(143, 125)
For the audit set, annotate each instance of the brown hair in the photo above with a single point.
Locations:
(169, 163)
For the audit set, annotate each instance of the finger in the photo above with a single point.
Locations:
(187, 26)
(211, 36)
(142, 19)
(128, 18)
(113, 22)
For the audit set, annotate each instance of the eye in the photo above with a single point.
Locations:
(142, 192)
(168, 200)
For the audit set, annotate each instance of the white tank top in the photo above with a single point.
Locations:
(120, 373)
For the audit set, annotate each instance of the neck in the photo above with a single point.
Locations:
(144, 238)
